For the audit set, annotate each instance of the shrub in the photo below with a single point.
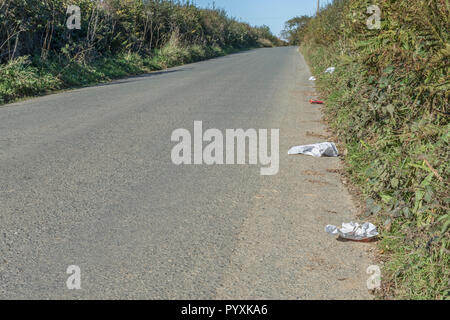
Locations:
(18, 78)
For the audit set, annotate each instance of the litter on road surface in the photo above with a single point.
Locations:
(312, 79)
(354, 231)
(324, 149)
(330, 70)
(316, 101)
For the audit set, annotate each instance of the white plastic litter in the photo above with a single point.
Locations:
(324, 149)
(330, 70)
(312, 78)
(353, 231)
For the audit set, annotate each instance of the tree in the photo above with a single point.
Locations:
(293, 29)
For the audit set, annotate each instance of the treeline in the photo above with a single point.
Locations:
(388, 101)
(36, 39)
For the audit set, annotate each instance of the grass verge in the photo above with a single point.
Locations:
(398, 163)
(33, 76)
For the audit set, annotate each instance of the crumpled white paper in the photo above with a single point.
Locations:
(330, 70)
(324, 149)
(353, 231)
(312, 78)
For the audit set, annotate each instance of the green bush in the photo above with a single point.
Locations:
(18, 78)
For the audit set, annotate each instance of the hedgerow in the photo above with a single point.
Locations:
(388, 101)
(36, 43)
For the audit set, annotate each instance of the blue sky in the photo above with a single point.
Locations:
(273, 13)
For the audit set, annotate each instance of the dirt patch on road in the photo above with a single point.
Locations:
(312, 173)
(316, 135)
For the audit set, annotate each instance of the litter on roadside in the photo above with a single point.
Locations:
(312, 78)
(354, 231)
(324, 149)
(316, 101)
(330, 70)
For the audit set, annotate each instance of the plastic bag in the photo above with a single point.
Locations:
(354, 231)
(324, 149)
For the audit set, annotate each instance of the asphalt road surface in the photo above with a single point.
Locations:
(87, 180)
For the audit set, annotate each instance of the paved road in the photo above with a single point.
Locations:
(87, 180)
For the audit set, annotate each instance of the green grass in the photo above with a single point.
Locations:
(416, 267)
(19, 78)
